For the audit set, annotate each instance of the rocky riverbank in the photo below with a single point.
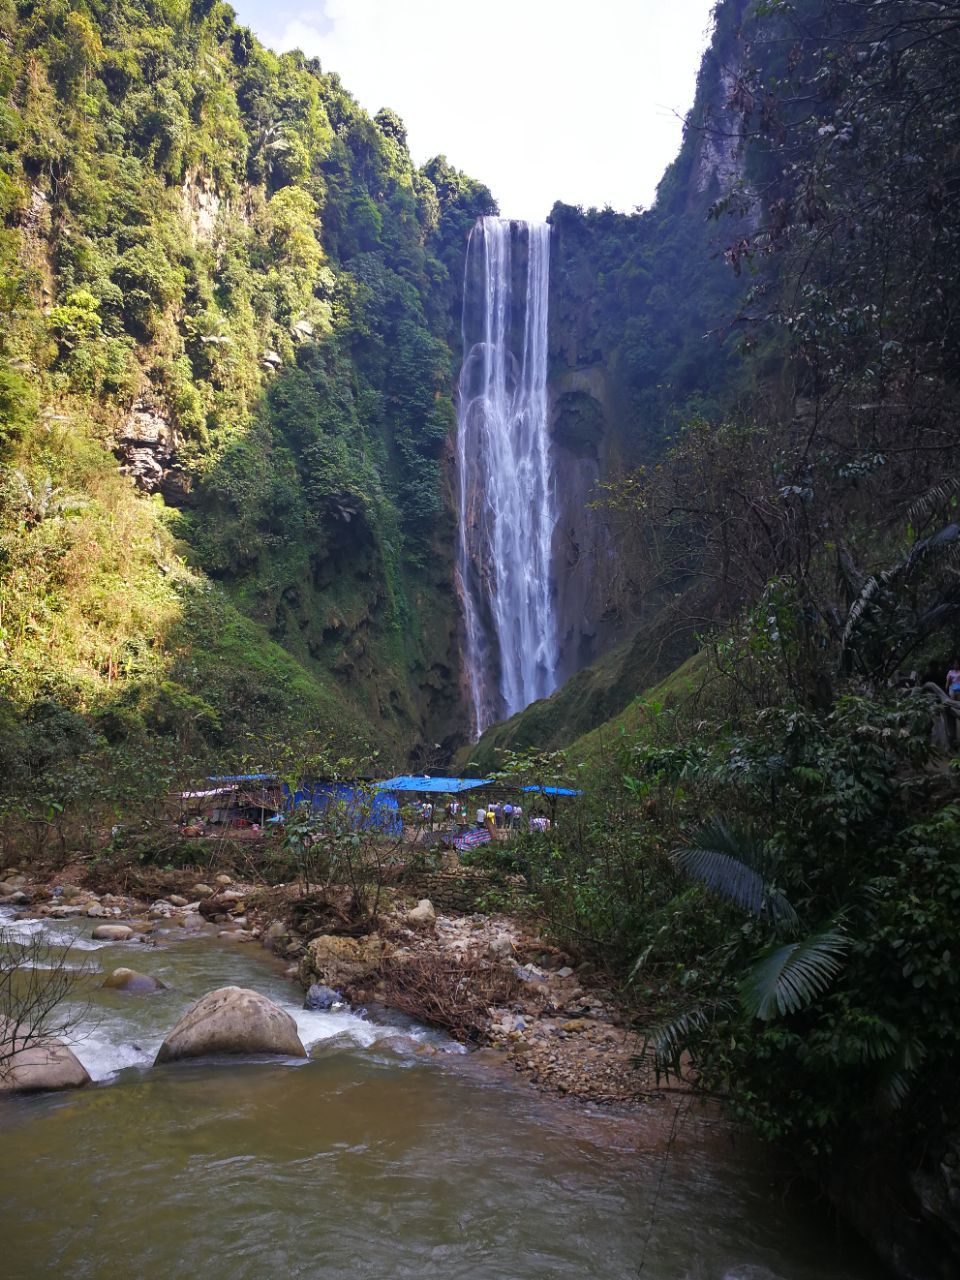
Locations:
(487, 979)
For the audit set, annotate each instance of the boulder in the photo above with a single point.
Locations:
(340, 962)
(177, 900)
(320, 998)
(97, 912)
(112, 932)
(46, 1063)
(202, 891)
(422, 916)
(232, 1020)
(224, 879)
(132, 981)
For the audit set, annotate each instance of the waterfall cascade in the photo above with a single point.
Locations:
(507, 500)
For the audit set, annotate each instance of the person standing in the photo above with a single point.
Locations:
(481, 815)
(953, 679)
(508, 816)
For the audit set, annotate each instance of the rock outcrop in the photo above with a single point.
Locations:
(30, 1066)
(232, 1020)
(340, 962)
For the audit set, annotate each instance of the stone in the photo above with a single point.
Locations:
(341, 962)
(275, 935)
(112, 932)
(422, 916)
(18, 898)
(66, 913)
(565, 972)
(501, 946)
(202, 890)
(232, 1020)
(224, 879)
(97, 912)
(43, 1064)
(70, 891)
(177, 900)
(7, 887)
(320, 998)
(132, 981)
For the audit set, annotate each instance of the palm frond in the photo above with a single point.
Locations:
(728, 863)
(790, 977)
(671, 1040)
(935, 499)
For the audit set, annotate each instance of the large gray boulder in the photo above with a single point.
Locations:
(44, 1063)
(236, 1021)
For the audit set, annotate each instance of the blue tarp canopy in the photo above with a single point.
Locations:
(553, 791)
(438, 786)
(245, 777)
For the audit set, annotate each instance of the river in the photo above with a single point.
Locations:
(388, 1153)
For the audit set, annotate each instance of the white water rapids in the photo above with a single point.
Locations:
(507, 500)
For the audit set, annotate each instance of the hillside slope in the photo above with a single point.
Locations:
(225, 392)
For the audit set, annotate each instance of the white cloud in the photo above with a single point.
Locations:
(540, 99)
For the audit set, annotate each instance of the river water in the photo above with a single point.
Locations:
(388, 1153)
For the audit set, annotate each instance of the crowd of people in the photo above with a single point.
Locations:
(495, 816)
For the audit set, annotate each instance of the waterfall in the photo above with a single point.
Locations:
(507, 501)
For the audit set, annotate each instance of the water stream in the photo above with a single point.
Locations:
(383, 1155)
(507, 502)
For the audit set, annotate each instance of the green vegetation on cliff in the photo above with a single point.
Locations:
(223, 275)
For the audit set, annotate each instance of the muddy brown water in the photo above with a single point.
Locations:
(386, 1154)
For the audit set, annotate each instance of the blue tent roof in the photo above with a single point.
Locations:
(442, 786)
(553, 791)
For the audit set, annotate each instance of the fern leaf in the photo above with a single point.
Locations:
(790, 977)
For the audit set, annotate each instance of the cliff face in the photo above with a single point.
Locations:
(229, 332)
(638, 309)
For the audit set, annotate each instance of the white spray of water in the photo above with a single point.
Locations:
(507, 501)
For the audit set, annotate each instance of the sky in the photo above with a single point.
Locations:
(543, 100)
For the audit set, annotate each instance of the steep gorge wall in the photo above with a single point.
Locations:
(228, 341)
(638, 341)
